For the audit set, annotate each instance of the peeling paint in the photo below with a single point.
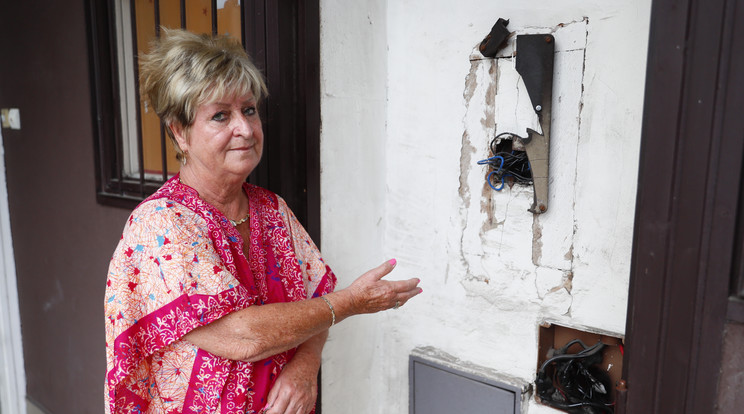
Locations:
(569, 253)
(567, 283)
(467, 150)
(537, 243)
(488, 207)
(471, 82)
(466, 158)
(489, 109)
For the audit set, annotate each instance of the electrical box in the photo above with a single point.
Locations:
(608, 365)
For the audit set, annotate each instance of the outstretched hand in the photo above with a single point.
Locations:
(370, 293)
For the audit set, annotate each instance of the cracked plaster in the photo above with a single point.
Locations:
(393, 91)
(497, 232)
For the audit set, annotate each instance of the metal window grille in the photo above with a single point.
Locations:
(134, 154)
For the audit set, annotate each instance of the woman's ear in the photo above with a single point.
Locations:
(179, 134)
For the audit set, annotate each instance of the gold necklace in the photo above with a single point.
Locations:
(233, 222)
(241, 221)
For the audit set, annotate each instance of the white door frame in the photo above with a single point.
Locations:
(12, 373)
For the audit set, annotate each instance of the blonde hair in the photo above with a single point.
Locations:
(184, 70)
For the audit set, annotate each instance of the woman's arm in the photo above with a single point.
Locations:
(259, 332)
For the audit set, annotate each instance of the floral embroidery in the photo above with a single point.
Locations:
(180, 265)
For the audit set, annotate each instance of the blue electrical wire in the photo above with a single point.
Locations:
(507, 163)
(491, 161)
(488, 179)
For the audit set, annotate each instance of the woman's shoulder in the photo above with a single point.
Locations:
(161, 207)
(163, 213)
(259, 191)
(269, 199)
(263, 196)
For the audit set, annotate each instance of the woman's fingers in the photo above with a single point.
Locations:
(274, 405)
(288, 403)
(406, 286)
(382, 270)
(406, 289)
(371, 293)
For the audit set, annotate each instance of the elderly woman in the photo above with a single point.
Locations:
(217, 301)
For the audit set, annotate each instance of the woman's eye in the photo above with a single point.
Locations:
(251, 110)
(219, 116)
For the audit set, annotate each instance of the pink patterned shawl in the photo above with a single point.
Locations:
(180, 265)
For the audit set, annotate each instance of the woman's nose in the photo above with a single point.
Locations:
(242, 126)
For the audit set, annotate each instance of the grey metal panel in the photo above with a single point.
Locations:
(438, 389)
(731, 382)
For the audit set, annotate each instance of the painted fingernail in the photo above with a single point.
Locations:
(393, 262)
(421, 290)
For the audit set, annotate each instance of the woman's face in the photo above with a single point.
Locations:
(225, 139)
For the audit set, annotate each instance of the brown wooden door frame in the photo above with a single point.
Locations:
(283, 37)
(686, 209)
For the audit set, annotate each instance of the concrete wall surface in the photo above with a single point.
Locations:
(62, 237)
(408, 107)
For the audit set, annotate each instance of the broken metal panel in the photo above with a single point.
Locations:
(495, 40)
(535, 54)
(535, 65)
(493, 240)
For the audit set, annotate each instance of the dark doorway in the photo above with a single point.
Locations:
(284, 39)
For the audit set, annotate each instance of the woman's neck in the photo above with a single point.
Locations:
(225, 193)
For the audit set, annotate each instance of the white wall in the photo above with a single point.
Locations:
(408, 107)
(12, 374)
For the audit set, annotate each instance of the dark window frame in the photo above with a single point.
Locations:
(284, 40)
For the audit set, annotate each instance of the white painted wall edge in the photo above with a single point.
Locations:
(12, 374)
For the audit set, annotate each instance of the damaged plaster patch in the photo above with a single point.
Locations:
(505, 293)
(487, 208)
(554, 288)
(488, 123)
(471, 82)
(566, 283)
(489, 116)
(467, 150)
(569, 254)
(510, 257)
(536, 241)
(466, 158)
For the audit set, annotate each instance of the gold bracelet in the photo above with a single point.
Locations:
(333, 312)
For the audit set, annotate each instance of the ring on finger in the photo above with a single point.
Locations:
(397, 304)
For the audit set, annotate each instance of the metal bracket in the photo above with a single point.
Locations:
(535, 54)
(495, 40)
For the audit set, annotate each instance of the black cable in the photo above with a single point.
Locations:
(585, 353)
(510, 164)
(574, 382)
(564, 348)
